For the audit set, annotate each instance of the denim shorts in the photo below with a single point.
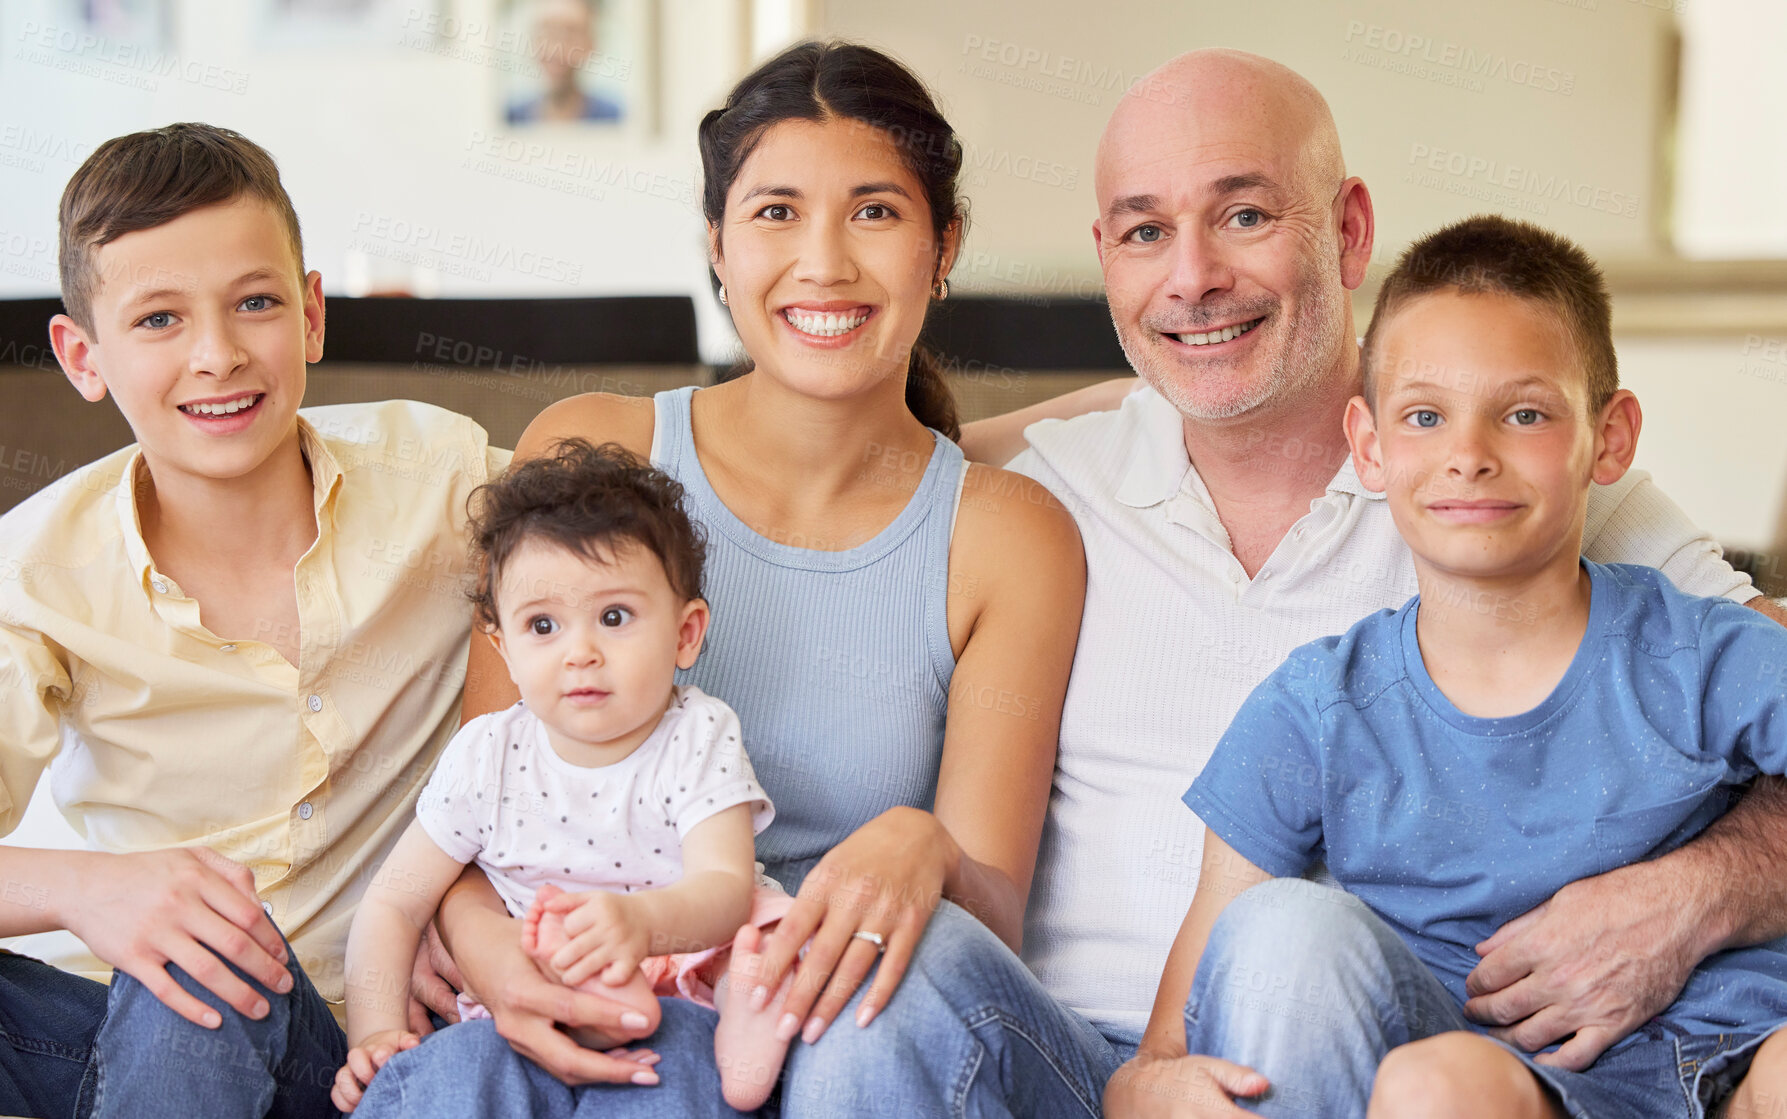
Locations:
(1659, 1072)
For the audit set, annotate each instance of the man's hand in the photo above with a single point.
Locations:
(1601, 958)
(434, 985)
(1150, 1086)
(142, 912)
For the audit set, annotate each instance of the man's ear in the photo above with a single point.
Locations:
(1361, 436)
(74, 348)
(1616, 437)
(1098, 241)
(691, 632)
(1358, 228)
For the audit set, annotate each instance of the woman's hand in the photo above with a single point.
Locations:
(887, 878)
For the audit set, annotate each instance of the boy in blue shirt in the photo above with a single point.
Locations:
(1529, 720)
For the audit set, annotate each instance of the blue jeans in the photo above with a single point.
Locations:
(969, 1033)
(71, 1047)
(1306, 986)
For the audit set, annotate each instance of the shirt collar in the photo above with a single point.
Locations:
(325, 479)
(1158, 460)
(1159, 463)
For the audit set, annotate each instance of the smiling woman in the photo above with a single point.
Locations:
(863, 664)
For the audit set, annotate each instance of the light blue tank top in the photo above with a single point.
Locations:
(838, 663)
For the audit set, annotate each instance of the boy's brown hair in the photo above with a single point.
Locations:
(150, 178)
(1490, 254)
(590, 501)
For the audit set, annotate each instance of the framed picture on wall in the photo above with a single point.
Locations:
(337, 23)
(584, 64)
(142, 23)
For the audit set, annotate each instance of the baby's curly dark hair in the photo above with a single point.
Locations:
(588, 500)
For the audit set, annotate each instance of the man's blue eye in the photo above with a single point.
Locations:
(1255, 215)
(1147, 234)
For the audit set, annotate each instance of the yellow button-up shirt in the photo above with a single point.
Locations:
(159, 733)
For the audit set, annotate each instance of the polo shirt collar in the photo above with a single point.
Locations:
(1158, 461)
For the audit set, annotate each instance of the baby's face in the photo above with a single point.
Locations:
(594, 647)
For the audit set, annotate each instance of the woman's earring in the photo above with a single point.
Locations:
(722, 295)
(941, 291)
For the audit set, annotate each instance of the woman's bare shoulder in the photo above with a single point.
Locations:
(600, 417)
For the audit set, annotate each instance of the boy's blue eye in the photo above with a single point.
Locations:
(542, 626)
(1425, 418)
(1525, 416)
(160, 320)
(616, 616)
(257, 303)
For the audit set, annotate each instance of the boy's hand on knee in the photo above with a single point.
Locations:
(187, 906)
(363, 1062)
(1153, 1085)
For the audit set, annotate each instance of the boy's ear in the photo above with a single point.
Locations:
(74, 352)
(313, 318)
(691, 632)
(1616, 437)
(496, 642)
(1361, 436)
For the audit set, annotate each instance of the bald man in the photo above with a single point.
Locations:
(1224, 526)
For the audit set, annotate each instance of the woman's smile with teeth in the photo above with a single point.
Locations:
(825, 324)
(228, 407)
(1226, 334)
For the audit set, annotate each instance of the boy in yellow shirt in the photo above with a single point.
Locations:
(241, 640)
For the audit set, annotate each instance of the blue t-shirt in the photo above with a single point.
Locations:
(1447, 826)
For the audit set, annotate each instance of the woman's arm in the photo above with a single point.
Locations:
(528, 1007)
(997, 440)
(1016, 585)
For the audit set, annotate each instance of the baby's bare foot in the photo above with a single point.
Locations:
(745, 1047)
(543, 934)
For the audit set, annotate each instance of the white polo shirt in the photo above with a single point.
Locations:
(1174, 638)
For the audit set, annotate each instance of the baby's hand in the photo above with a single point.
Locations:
(363, 1062)
(575, 936)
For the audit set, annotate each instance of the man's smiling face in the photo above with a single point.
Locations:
(1221, 196)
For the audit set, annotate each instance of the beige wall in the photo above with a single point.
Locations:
(1030, 86)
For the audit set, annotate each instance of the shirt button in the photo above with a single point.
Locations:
(226, 648)
(160, 587)
(305, 812)
(1297, 535)
(267, 908)
(316, 703)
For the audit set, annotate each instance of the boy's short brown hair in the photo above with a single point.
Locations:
(589, 501)
(1492, 254)
(150, 178)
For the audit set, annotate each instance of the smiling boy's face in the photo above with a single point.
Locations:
(1482, 436)
(201, 329)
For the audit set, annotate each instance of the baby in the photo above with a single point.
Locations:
(613, 809)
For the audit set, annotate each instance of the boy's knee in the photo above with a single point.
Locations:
(1453, 1074)
(1288, 927)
